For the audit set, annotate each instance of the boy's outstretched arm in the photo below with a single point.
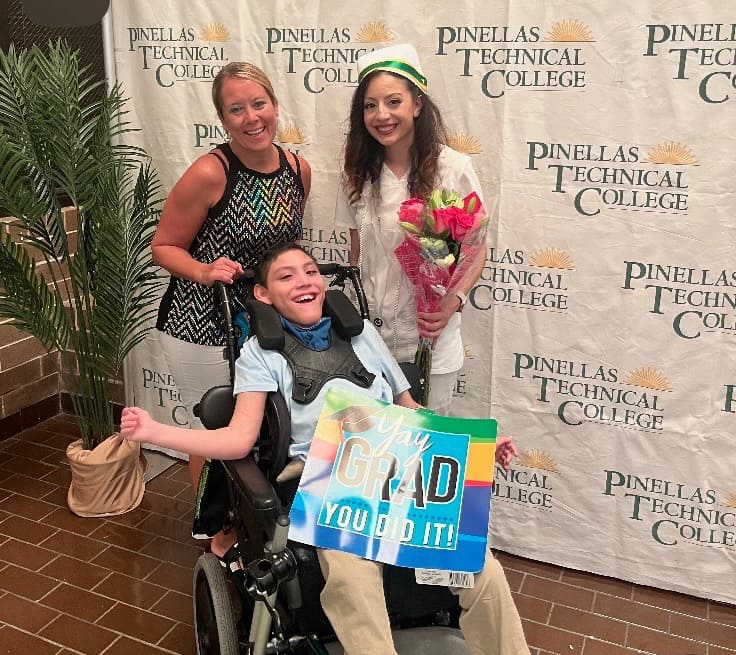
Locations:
(232, 442)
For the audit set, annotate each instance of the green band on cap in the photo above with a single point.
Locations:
(400, 67)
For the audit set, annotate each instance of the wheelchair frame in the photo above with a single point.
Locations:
(272, 564)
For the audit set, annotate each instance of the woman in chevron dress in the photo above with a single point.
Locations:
(228, 207)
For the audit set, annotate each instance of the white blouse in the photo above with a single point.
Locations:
(388, 290)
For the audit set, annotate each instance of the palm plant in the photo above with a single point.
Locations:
(60, 145)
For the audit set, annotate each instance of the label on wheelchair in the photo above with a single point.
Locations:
(445, 578)
(395, 485)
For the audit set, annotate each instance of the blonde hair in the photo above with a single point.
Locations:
(244, 71)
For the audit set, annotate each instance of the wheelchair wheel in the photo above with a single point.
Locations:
(214, 623)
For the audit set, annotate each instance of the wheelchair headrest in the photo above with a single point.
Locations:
(265, 321)
(345, 318)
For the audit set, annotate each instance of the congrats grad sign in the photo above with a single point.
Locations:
(396, 485)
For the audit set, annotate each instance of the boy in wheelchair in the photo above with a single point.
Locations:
(353, 597)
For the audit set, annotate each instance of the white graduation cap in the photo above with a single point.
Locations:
(401, 59)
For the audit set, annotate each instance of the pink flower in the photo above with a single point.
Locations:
(441, 220)
(445, 218)
(462, 224)
(411, 211)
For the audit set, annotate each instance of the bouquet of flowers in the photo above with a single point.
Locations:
(445, 236)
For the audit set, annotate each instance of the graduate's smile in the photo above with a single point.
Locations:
(294, 287)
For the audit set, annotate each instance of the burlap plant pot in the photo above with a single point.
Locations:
(107, 480)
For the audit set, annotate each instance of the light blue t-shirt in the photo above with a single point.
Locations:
(268, 370)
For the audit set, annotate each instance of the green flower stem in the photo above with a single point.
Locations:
(423, 359)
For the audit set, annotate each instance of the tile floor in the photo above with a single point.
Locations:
(79, 585)
(122, 585)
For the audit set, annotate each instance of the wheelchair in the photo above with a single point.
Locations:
(272, 605)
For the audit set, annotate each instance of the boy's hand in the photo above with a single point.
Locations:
(505, 452)
(136, 424)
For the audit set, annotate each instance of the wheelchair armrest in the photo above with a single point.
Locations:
(256, 489)
(216, 407)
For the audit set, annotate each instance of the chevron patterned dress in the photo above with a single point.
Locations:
(257, 211)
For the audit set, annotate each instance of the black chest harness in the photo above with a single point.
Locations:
(310, 368)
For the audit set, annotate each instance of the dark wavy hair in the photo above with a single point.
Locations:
(364, 156)
(269, 256)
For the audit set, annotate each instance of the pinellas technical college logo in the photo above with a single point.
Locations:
(326, 245)
(703, 51)
(591, 393)
(702, 300)
(324, 56)
(612, 177)
(518, 57)
(164, 394)
(507, 280)
(180, 54)
(679, 512)
(528, 481)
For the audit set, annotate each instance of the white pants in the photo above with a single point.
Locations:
(441, 387)
(354, 603)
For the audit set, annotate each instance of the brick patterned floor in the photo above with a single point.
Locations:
(122, 585)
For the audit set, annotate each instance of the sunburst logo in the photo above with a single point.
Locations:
(291, 134)
(552, 258)
(569, 30)
(649, 378)
(214, 32)
(538, 459)
(464, 143)
(730, 500)
(374, 32)
(672, 153)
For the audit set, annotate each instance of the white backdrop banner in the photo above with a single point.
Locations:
(602, 333)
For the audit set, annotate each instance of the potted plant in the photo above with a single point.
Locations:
(86, 293)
